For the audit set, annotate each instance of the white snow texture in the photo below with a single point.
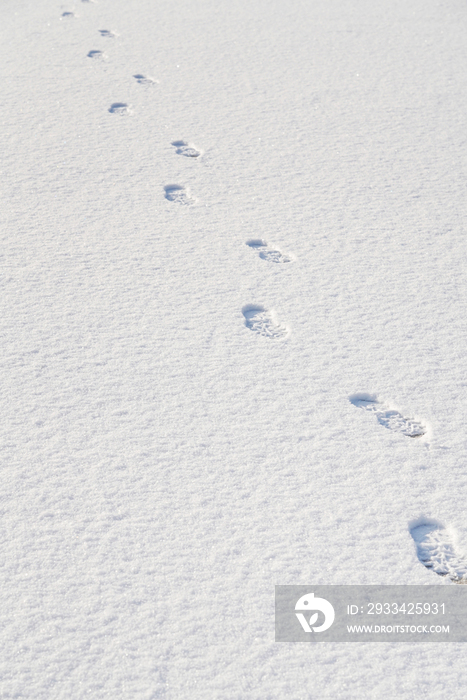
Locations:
(225, 227)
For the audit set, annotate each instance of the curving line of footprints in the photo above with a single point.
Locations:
(435, 544)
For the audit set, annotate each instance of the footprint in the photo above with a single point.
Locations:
(436, 551)
(107, 33)
(99, 55)
(389, 418)
(145, 79)
(263, 322)
(119, 108)
(266, 253)
(186, 149)
(179, 194)
(68, 14)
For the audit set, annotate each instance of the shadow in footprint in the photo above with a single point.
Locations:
(178, 194)
(119, 108)
(263, 322)
(99, 55)
(266, 253)
(68, 14)
(107, 33)
(144, 79)
(186, 149)
(436, 550)
(387, 417)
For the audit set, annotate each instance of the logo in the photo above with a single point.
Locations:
(307, 603)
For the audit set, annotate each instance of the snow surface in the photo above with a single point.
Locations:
(165, 462)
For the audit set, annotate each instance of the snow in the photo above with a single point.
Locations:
(178, 433)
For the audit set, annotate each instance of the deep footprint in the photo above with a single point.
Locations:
(68, 14)
(436, 551)
(186, 149)
(178, 194)
(107, 33)
(389, 418)
(144, 79)
(263, 322)
(119, 108)
(267, 253)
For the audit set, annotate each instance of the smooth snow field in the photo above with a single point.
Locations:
(234, 340)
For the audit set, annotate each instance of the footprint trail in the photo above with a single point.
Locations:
(178, 194)
(436, 550)
(97, 55)
(263, 322)
(266, 253)
(144, 79)
(186, 149)
(120, 108)
(389, 418)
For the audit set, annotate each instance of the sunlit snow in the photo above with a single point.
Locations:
(233, 280)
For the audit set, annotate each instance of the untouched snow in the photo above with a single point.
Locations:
(178, 433)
